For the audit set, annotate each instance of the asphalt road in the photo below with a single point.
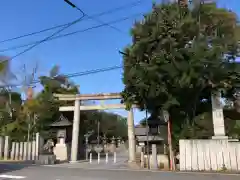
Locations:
(60, 173)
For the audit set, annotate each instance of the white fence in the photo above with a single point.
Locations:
(19, 150)
(216, 155)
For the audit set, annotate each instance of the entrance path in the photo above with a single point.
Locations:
(121, 163)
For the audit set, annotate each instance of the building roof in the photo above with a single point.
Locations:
(149, 138)
(140, 131)
(62, 121)
(156, 120)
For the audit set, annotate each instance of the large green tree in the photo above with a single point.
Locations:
(178, 56)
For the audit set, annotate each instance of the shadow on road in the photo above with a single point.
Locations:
(12, 166)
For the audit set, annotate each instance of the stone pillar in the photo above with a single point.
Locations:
(6, 147)
(29, 150)
(25, 149)
(37, 148)
(142, 159)
(17, 151)
(154, 157)
(13, 149)
(21, 151)
(1, 146)
(217, 116)
(131, 137)
(75, 131)
(34, 150)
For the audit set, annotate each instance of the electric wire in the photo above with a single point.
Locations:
(128, 5)
(71, 75)
(52, 37)
(92, 18)
(42, 41)
(72, 33)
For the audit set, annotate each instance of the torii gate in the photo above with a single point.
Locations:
(76, 120)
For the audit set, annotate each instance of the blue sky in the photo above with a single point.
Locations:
(97, 48)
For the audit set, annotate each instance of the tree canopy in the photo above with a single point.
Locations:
(178, 57)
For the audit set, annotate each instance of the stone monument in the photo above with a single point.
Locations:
(217, 116)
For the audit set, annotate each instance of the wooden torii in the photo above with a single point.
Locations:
(78, 107)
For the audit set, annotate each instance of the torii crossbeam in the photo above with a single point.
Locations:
(76, 121)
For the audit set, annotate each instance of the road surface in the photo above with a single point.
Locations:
(10, 171)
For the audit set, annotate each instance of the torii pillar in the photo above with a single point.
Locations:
(75, 131)
(131, 137)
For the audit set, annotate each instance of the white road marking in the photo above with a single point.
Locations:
(11, 176)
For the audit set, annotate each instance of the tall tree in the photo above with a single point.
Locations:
(178, 57)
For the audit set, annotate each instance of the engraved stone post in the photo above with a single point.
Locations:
(154, 157)
(217, 116)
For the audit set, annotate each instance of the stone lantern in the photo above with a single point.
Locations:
(98, 148)
(113, 144)
(105, 146)
(61, 126)
(61, 149)
(119, 141)
(157, 126)
(88, 148)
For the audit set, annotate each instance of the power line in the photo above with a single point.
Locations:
(92, 18)
(77, 74)
(129, 5)
(94, 71)
(33, 33)
(72, 33)
(45, 39)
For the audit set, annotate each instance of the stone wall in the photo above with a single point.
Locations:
(19, 150)
(211, 154)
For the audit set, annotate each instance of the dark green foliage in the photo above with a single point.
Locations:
(177, 58)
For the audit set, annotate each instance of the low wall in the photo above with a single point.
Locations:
(162, 160)
(25, 151)
(211, 154)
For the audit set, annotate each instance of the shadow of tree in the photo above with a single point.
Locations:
(13, 166)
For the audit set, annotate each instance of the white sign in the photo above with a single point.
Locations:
(165, 115)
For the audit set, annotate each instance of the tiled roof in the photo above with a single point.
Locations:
(62, 121)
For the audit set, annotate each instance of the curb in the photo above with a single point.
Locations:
(146, 170)
(29, 162)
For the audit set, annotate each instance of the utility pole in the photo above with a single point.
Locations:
(147, 131)
(166, 118)
(98, 135)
